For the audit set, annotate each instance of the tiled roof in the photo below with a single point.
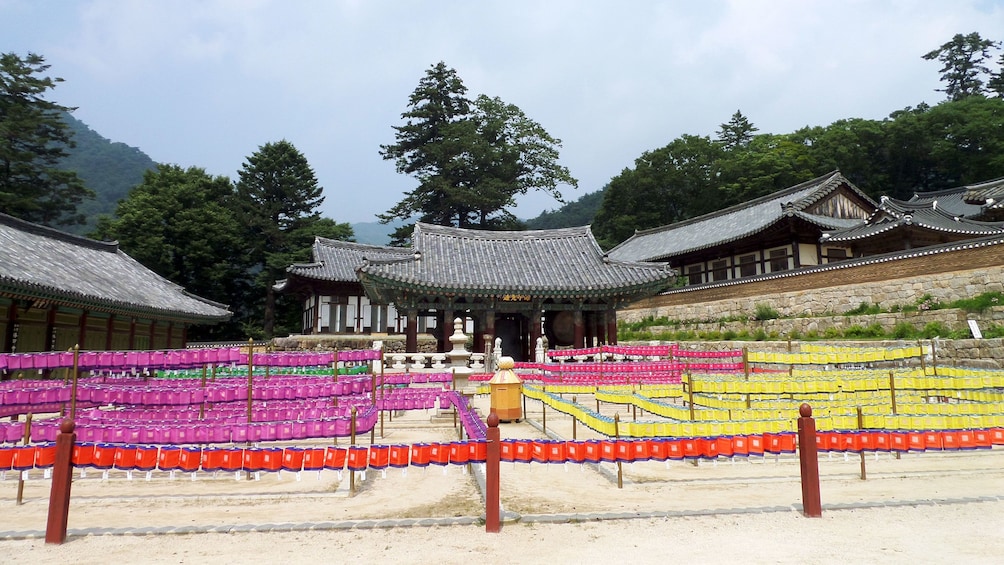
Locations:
(47, 264)
(951, 201)
(337, 261)
(736, 222)
(555, 262)
(923, 213)
(989, 193)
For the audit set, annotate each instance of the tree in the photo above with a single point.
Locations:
(667, 185)
(471, 158)
(963, 64)
(33, 139)
(995, 85)
(738, 132)
(180, 223)
(277, 199)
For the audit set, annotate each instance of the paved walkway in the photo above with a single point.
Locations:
(509, 518)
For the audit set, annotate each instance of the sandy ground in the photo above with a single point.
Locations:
(912, 513)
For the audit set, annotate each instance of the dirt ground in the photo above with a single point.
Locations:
(909, 510)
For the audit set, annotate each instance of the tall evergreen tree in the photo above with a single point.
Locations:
(472, 159)
(33, 139)
(995, 86)
(738, 132)
(278, 196)
(963, 64)
(180, 223)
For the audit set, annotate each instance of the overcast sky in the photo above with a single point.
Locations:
(206, 83)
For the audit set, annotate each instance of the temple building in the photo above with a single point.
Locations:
(777, 232)
(58, 290)
(511, 286)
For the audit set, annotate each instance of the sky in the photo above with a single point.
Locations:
(206, 83)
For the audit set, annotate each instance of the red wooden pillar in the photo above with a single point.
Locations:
(579, 326)
(534, 330)
(62, 475)
(493, 518)
(809, 462)
(611, 327)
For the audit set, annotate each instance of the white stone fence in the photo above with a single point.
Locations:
(429, 361)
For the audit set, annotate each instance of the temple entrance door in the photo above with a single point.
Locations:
(514, 330)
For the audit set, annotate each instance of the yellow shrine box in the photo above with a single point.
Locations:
(506, 392)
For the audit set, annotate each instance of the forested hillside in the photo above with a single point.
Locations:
(108, 168)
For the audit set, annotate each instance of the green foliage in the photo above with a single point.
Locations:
(979, 303)
(764, 311)
(963, 64)
(277, 196)
(109, 169)
(576, 213)
(181, 224)
(864, 308)
(471, 158)
(903, 330)
(759, 335)
(872, 331)
(934, 329)
(33, 140)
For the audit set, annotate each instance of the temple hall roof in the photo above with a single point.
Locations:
(41, 263)
(740, 221)
(563, 262)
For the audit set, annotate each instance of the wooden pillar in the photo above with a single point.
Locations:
(8, 338)
(479, 331)
(82, 331)
(132, 333)
(50, 327)
(534, 329)
(109, 329)
(612, 327)
(490, 324)
(411, 331)
(600, 321)
(316, 325)
(579, 326)
(170, 330)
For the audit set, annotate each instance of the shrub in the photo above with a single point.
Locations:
(935, 329)
(864, 308)
(729, 335)
(903, 330)
(764, 311)
(760, 335)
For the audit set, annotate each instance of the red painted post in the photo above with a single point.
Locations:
(62, 475)
(493, 509)
(809, 462)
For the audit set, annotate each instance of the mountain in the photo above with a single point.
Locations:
(108, 168)
(576, 213)
(375, 233)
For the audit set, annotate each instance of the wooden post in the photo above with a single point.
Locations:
(543, 409)
(861, 425)
(20, 474)
(574, 420)
(809, 462)
(892, 399)
(202, 407)
(62, 475)
(617, 434)
(73, 390)
(493, 510)
(690, 394)
(373, 385)
(352, 441)
(250, 377)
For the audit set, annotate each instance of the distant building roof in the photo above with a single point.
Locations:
(941, 212)
(740, 221)
(37, 262)
(336, 261)
(558, 263)
(989, 194)
(952, 201)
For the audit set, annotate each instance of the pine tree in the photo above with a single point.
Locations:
(33, 139)
(964, 64)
